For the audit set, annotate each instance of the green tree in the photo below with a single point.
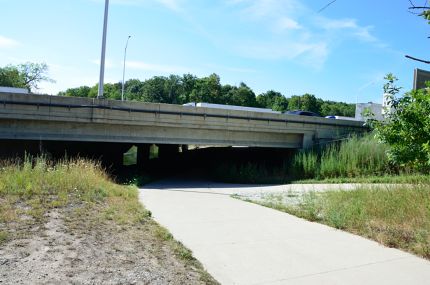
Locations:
(188, 85)
(27, 75)
(154, 90)
(10, 77)
(228, 93)
(306, 102)
(82, 91)
(113, 91)
(280, 104)
(207, 89)
(406, 128)
(337, 109)
(273, 100)
(173, 87)
(133, 90)
(243, 96)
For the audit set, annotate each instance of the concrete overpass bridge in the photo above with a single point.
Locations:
(43, 118)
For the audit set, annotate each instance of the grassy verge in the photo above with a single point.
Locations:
(385, 179)
(91, 204)
(396, 217)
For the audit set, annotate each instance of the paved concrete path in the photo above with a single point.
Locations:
(243, 243)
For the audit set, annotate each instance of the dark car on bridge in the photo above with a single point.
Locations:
(302, 113)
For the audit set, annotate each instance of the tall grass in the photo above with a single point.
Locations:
(305, 164)
(34, 186)
(39, 177)
(353, 157)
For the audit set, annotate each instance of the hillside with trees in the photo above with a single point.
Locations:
(175, 89)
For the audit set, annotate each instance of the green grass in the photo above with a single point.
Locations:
(353, 157)
(396, 217)
(383, 179)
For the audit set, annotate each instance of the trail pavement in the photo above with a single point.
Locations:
(243, 243)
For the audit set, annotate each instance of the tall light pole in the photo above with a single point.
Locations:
(123, 69)
(102, 60)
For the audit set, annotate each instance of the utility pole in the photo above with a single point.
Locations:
(123, 70)
(102, 60)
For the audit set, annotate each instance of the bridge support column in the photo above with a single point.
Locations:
(184, 148)
(308, 140)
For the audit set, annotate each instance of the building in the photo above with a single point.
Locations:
(374, 108)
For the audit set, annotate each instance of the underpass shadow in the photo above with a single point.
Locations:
(221, 167)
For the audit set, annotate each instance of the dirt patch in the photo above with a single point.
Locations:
(72, 246)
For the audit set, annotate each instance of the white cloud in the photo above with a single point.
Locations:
(311, 54)
(259, 9)
(108, 63)
(171, 69)
(362, 33)
(8, 42)
(295, 32)
(336, 24)
(174, 5)
(285, 23)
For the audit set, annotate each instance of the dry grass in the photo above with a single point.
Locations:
(91, 204)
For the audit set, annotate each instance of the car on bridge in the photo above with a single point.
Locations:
(302, 113)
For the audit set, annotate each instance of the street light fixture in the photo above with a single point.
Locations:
(102, 60)
(123, 70)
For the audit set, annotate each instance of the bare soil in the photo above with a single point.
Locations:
(76, 247)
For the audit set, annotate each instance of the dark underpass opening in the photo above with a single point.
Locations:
(141, 163)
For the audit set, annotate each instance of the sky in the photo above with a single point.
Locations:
(341, 53)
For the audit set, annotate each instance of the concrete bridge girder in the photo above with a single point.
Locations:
(40, 117)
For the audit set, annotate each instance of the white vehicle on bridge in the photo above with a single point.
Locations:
(231, 107)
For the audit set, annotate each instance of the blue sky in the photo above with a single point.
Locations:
(340, 54)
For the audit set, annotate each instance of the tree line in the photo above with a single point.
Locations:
(175, 89)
